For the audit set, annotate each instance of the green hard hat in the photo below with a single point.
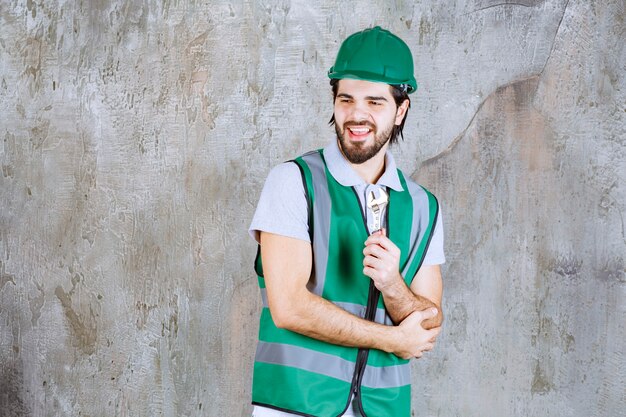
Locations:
(375, 55)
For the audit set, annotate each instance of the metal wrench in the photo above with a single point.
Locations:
(377, 205)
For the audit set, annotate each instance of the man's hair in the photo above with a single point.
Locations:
(399, 95)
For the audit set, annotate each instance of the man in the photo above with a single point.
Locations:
(349, 254)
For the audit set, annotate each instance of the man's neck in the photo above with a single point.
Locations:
(372, 169)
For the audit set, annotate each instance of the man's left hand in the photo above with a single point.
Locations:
(382, 260)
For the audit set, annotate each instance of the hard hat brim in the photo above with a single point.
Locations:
(367, 76)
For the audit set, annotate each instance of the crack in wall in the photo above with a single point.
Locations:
(556, 33)
(528, 4)
(460, 136)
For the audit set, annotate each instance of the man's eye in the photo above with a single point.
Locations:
(375, 103)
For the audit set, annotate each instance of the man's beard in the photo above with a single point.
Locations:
(359, 152)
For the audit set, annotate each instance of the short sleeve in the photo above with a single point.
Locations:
(282, 207)
(435, 254)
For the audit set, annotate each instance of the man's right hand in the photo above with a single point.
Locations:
(412, 338)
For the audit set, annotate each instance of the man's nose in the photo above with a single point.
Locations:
(359, 112)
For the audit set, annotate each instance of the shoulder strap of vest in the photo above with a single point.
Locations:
(433, 214)
(307, 183)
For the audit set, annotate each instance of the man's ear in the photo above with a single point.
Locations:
(401, 111)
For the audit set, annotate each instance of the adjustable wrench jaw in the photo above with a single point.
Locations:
(376, 206)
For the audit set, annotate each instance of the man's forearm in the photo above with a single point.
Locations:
(320, 319)
(400, 301)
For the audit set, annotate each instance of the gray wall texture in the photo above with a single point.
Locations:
(135, 137)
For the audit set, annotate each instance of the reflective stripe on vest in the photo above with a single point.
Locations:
(309, 377)
(330, 365)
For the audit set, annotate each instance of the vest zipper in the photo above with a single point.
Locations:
(370, 315)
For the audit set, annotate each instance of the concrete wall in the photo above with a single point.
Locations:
(134, 141)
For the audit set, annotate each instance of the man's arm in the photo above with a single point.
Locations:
(287, 266)
(425, 291)
(381, 264)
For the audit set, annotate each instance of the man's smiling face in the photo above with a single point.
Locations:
(365, 114)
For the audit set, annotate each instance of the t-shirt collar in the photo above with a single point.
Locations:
(341, 170)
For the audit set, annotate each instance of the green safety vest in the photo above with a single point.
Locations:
(305, 376)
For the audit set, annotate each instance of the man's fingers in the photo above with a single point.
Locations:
(434, 332)
(424, 348)
(375, 251)
(373, 262)
(381, 240)
(427, 347)
(368, 271)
